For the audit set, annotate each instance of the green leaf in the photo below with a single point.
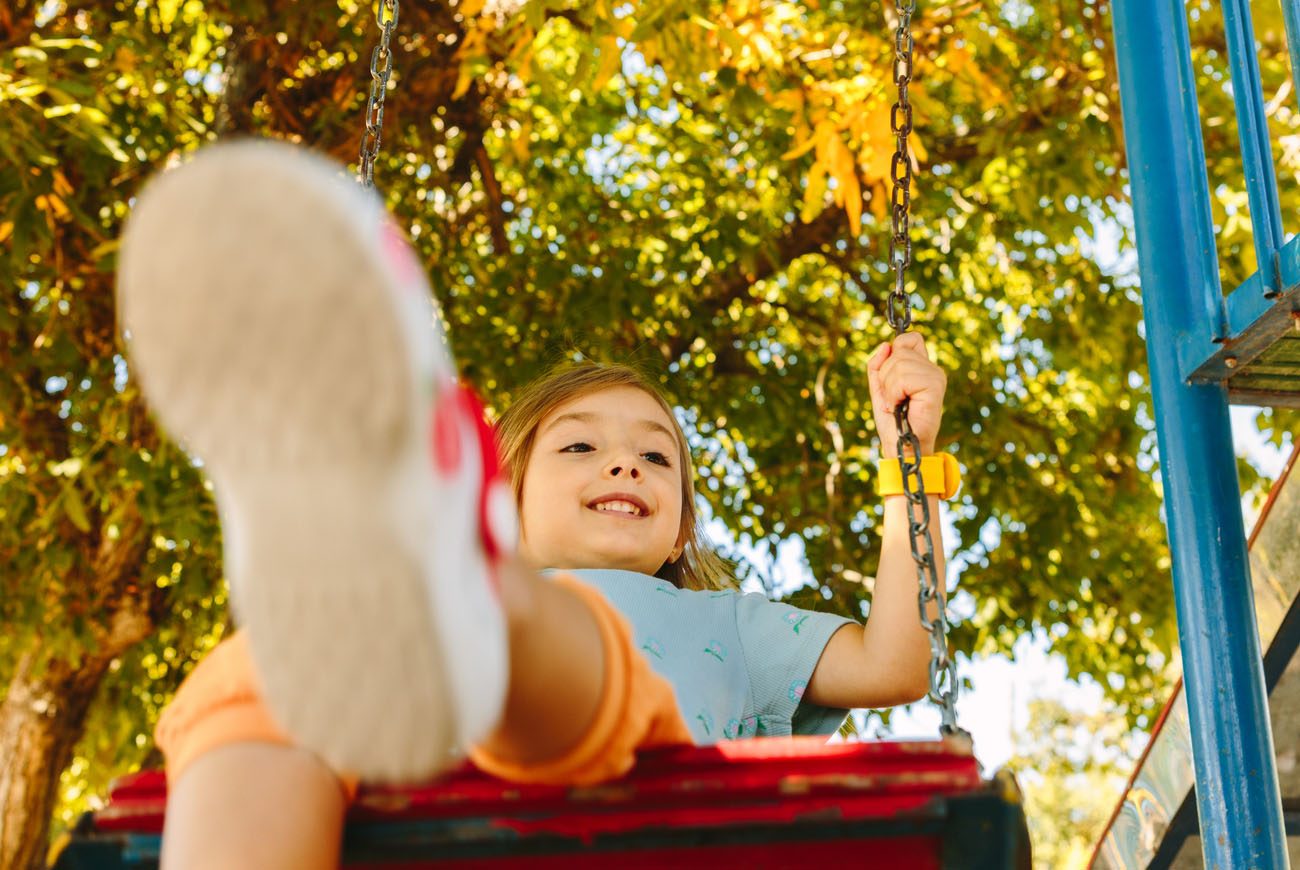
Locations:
(76, 508)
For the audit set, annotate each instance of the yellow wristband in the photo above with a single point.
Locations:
(941, 475)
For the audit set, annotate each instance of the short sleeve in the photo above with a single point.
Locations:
(782, 645)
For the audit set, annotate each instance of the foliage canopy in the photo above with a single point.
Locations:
(696, 186)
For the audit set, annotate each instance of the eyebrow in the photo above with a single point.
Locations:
(585, 417)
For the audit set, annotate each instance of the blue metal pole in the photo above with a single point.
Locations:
(1252, 130)
(1237, 792)
(1291, 17)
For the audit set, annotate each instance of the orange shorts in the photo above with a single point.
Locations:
(220, 703)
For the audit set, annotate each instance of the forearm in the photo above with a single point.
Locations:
(894, 634)
(886, 662)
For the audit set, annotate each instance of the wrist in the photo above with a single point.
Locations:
(889, 448)
(940, 475)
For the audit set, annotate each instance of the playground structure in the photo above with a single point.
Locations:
(1205, 351)
(1154, 827)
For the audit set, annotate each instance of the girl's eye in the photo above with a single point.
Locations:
(657, 459)
(578, 447)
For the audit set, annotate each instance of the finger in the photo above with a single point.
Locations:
(878, 358)
(892, 387)
(874, 366)
(913, 342)
(904, 377)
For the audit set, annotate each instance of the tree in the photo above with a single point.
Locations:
(697, 186)
(1073, 765)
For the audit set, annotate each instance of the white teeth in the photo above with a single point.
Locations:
(622, 507)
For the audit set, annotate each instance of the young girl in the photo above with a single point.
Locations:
(394, 614)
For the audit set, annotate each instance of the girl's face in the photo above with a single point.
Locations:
(602, 488)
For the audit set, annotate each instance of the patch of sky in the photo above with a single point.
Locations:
(120, 372)
(214, 82)
(1016, 13)
(47, 11)
(1268, 459)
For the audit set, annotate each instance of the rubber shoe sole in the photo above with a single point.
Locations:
(283, 331)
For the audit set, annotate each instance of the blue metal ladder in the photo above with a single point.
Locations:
(1206, 350)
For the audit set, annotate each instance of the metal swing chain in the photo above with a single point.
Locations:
(943, 671)
(381, 67)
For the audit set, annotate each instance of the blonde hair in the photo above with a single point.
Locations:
(698, 567)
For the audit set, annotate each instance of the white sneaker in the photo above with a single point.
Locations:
(284, 331)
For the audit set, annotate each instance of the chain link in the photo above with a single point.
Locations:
(898, 309)
(381, 67)
(900, 171)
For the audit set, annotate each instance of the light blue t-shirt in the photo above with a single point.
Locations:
(738, 663)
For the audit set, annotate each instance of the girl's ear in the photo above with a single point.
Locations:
(678, 548)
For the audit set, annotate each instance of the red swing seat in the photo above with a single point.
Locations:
(765, 803)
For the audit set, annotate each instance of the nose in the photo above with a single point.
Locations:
(624, 465)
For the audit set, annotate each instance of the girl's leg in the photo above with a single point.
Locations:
(581, 702)
(582, 699)
(242, 794)
(254, 805)
(557, 667)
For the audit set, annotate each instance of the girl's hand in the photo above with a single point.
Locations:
(902, 369)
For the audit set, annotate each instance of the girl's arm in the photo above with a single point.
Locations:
(887, 661)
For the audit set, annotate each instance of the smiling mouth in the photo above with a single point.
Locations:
(619, 508)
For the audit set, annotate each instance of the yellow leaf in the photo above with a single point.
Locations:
(523, 43)
(519, 144)
(917, 148)
(469, 51)
(801, 148)
(76, 509)
(765, 50)
(462, 83)
(814, 197)
(102, 250)
(6, 230)
(854, 117)
(840, 161)
(61, 184)
(167, 10)
(956, 60)
(853, 203)
(878, 203)
(823, 134)
(791, 99)
(125, 59)
(611, 61)
(879, 145)
(54, 205)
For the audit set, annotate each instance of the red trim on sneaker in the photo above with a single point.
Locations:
(401, 256)
(490, 462)
(445, 431)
